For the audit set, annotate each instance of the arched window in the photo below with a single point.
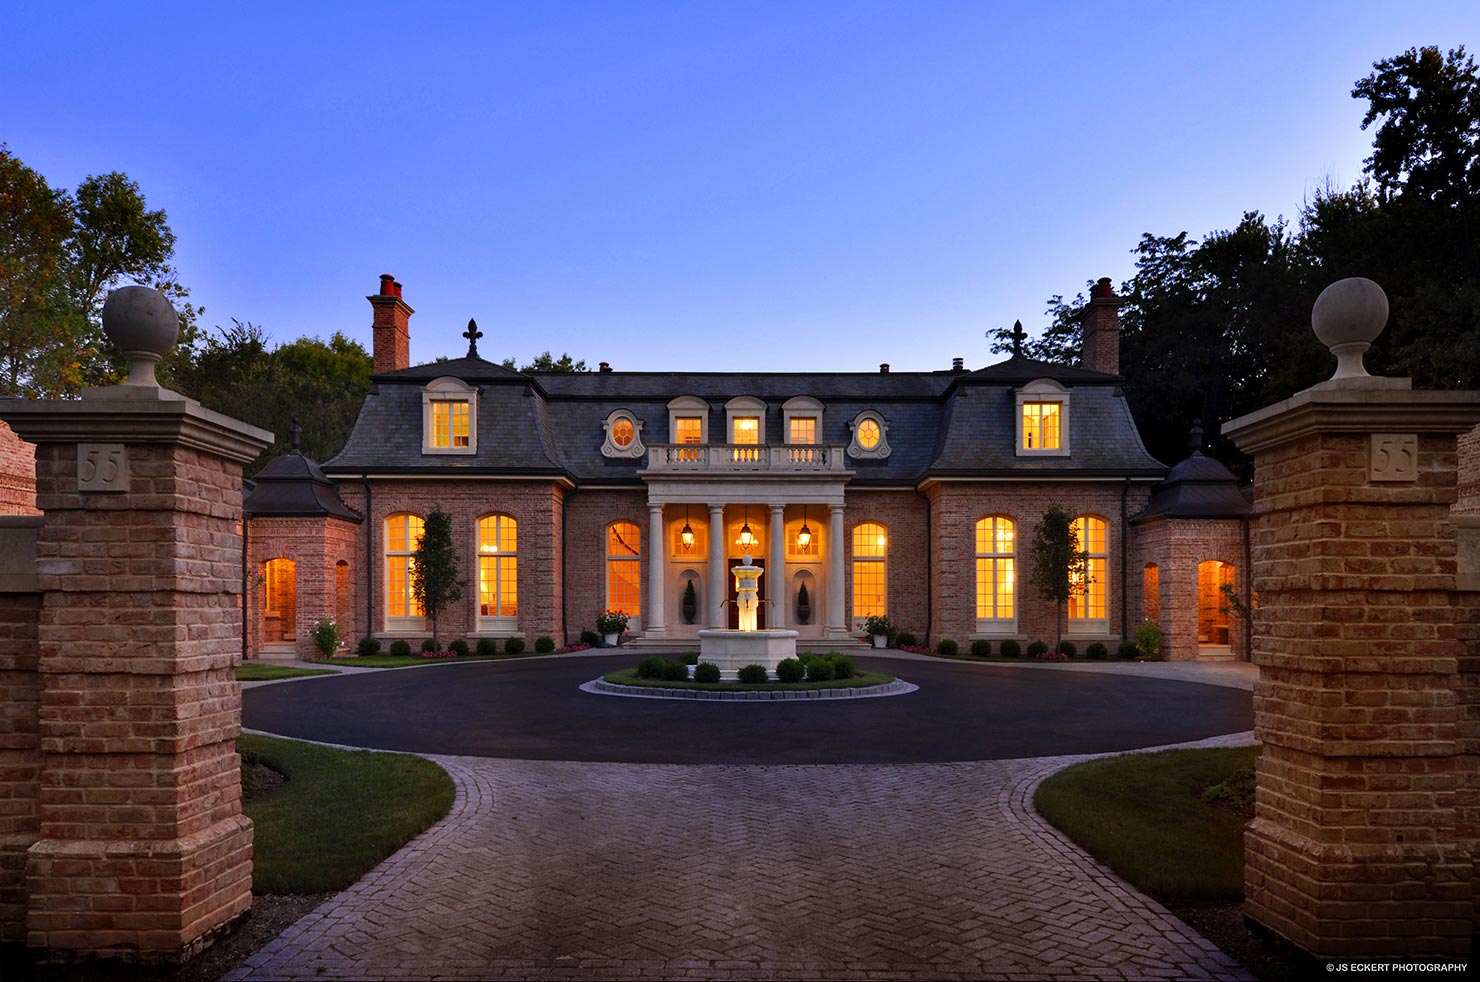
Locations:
(498, 573)
(1088, 610)
(402, 612)
(870, 571)
(624, 569)
(1151, 592)
(996, 574)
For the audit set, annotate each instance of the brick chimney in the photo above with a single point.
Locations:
(1101, 320)
(391, 325)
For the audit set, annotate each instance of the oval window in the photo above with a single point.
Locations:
(622, 433)
(868, 434)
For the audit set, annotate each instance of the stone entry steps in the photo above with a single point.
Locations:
(278, 651)
(1215, 652)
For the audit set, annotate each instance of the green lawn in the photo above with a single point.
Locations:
(258, 672)
(629, 677)
(339, 813)
(1143, 816)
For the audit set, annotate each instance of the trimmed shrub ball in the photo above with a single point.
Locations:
(981, 648)
(947, 646)
(429, 645)
(591, 638)
(1036, 649)
(842, 666)
(790, 670)
(368, 647)
(544, 644)
(1095, 650)
(753, 674)
(675, 671)
(1011, 649)
(401, 648)
(1128, 650)
(706, 672)
(514, 645)
(487, 647)
(819, 670)
(1067, 648)
(458, 647)
(651, 667)
(905, 639)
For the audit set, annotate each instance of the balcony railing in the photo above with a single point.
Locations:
(740, 458)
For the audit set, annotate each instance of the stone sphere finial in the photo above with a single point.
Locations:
(1347, 317)
(142, 326)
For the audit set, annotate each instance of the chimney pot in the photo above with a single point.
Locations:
(390, 327)
(604, 367)
(883, 368)
(958, 364)
(387, 289)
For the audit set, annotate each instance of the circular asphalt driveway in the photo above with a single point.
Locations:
(532, 709)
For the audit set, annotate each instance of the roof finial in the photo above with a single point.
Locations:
(1195, 436)
(1018, 334)
(293, 430)
(472, 334)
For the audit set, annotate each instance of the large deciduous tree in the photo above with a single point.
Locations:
(434, 566)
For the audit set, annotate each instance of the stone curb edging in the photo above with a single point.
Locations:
(601, 687)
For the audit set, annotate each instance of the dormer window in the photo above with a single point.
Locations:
(690, 429)
(870, 436)
(623, 435)
(802, 416)
(802, 431)
(449, 409)
(747, 431)
(1043, 419)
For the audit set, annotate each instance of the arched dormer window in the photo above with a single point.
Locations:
(402, 612)
(801, 421)
(449, 414)
(870, 436)
(688, 425)
(623, 435)
(745, 427)
(1043, 419)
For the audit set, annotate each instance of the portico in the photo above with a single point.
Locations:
(737, 501)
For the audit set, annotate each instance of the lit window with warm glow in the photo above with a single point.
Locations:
(690, 430)
(623, 432)
(995, 570)
(870, 573)
(624, 568)
(1041, 425)
(803, 430)
(868, 434)
(498, 572)
(401, 535)
(1092, 603)
(747, 430)
(450, 423)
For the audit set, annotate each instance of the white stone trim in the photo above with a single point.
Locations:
(1043, 390)
(609, 447)
(687, 406)
(745, 406)
(857, 450)
(805, 407)
(449, 389)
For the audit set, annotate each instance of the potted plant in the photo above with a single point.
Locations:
(690, 602)
(804, 605)
(611, 624)
(881, 629)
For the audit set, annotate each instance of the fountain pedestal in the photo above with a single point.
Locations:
(730, 650)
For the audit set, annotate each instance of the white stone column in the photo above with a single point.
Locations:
(653, 624)
(776, 589)
(837, 613)
(717, 566)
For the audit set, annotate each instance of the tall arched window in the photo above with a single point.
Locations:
(624, 569)
(870, 571)
(498, 573)
(996, 574)
(402, 612)
(1088, 611)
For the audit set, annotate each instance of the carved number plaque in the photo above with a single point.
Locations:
(102, 467)
(1393, 457)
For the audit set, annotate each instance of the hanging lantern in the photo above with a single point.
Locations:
(687, 532)
(804, 537)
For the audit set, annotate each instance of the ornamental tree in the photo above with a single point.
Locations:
(1060, 569)
(434, 564)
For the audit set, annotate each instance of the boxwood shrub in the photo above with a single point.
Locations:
(790, 670)
(1036, 649)
(753, 674)
(842, 666)
(1067, 647)
(487, 647)
(1011, 649)
(706, 672)
(1128, 650)
(544, 644)
(591, 638)
(1095, 650)
(429, 645)
(458, 647)
(675, 671)
(981, 648)
(651, 667)
(819, 670)
(947, 646)
(368, 647)
(401, 648)
(905, 639)
(689, 658)
(514, 646)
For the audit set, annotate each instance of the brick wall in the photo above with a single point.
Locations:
(907, 560)
(1177, 546)
(316, 546)
(17, 474)
(535, 505)
(956, 508)
(587, 514)
(20, 754)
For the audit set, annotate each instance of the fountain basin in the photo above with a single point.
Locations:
(733, 650)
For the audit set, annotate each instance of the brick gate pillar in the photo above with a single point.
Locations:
(143, 850)
(1358, 846)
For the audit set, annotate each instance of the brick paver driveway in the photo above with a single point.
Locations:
(563, 870)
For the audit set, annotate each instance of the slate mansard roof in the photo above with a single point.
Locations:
(948, 424)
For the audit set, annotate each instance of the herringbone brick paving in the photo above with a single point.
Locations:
(564, 870)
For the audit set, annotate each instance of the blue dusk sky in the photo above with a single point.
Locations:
(694, 186)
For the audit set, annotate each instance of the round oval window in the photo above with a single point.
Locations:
(622, 432)
(868, 434)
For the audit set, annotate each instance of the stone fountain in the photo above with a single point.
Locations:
(733, 650)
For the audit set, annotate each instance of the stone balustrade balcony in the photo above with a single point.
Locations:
(738, 458)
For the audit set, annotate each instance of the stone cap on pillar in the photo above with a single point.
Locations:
(1347, 317)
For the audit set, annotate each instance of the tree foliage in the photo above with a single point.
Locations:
(1059, 568)
(60, 254)
(545, 362)
(434, 568)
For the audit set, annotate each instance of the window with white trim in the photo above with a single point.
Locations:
(996, 575)
(1089, 609)
(498, 573)
(402, 612)
(1043, 419)
(870, 571)
(870, 436)
(449, 409)
(624, 570)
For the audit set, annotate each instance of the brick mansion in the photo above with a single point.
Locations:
(911, 494)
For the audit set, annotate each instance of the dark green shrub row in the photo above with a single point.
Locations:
(429, 645)
(905, 639)
(487, 647)
(400, 648)
(753, 674)
(514, 646)
(1011, 649)
(1128, 650)
(790, 670)
(1095, 650)
(658, 667)
(544, 644)
(706, 672)
(1068, 648)
(1037, 648)
(947, 646)
(981, 648)
(368, 647)
(458, 647)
